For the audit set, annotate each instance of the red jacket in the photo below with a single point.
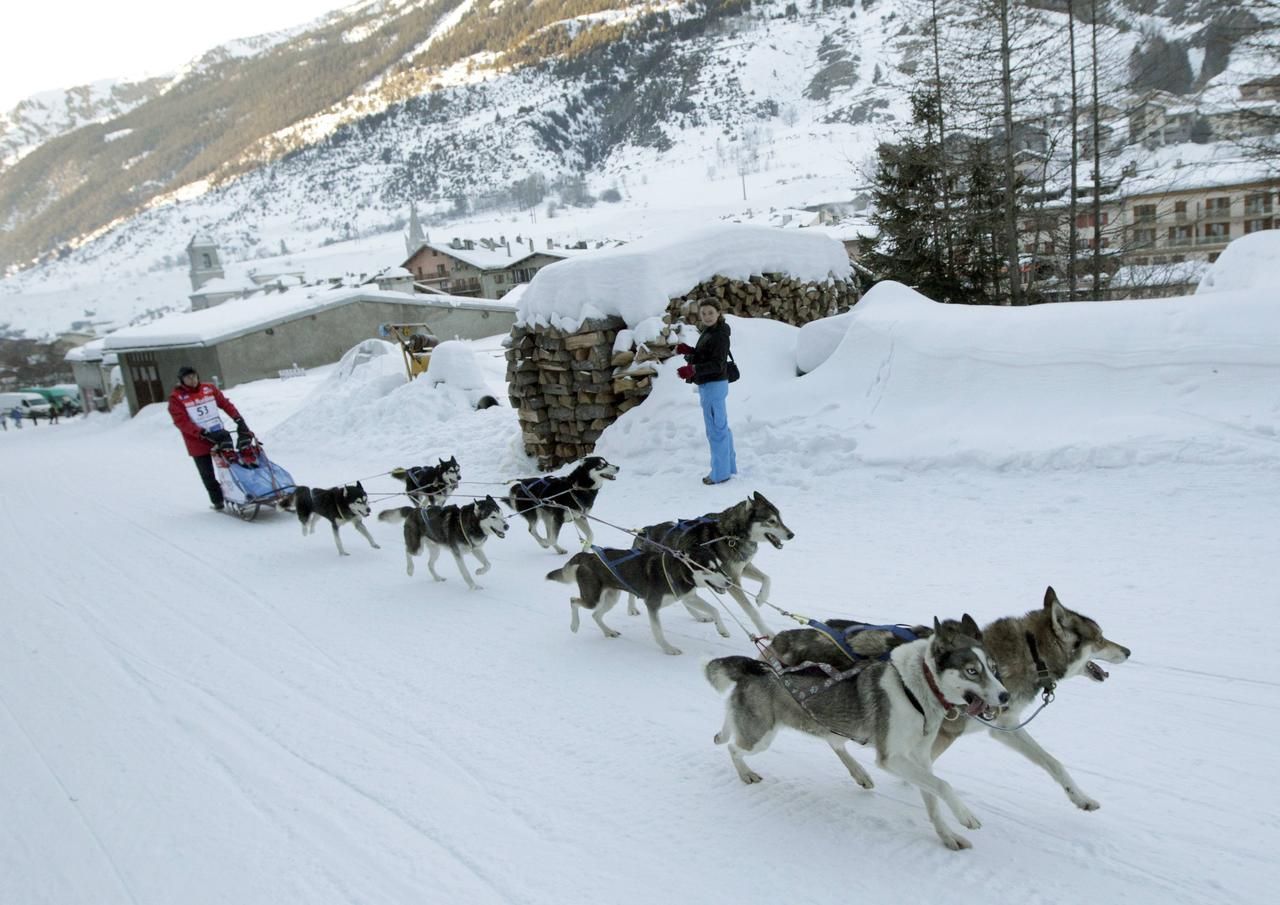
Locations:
(195, 410)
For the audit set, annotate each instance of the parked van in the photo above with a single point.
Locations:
(33, 405)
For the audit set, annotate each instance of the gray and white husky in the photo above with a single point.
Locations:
(556, 499)
(340, 505)
(458, 529)
(658, 578)
(732, 538)
(896, 705)
(430, 485)
(1048, 644)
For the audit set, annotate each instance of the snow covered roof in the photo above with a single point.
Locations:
(222, 286)
(638, 281)
(90, 351)
(242, 316)
(200, 239)
(496, 258)
(1173, 274)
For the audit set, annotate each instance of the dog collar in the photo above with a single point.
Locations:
(952, 709)
(1044, 678)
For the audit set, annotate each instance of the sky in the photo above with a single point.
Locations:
(45, 46)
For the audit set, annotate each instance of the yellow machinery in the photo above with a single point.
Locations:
(416, 342)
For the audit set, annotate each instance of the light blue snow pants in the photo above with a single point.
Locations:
(724, 461)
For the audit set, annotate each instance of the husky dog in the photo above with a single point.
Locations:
(460, 529)
(659, 578)
(897, 705)
(1043, 646)
(430, 485)
(339, 505)
(558, 498)
(732, 537)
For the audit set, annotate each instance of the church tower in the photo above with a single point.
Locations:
(414, 240)
(205, 264)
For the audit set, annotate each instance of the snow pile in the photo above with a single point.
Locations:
(818, 339)
(373, 358)
(636, 282)
(454, 363)
(1250, 262)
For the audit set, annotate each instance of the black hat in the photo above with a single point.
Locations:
(185, 370)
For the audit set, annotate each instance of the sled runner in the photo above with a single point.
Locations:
(250, 480)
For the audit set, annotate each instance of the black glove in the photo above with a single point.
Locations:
(243, 429)
(219, 438)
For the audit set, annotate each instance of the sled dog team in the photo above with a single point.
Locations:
(908, 692)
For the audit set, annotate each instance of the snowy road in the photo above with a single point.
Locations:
(197, 710)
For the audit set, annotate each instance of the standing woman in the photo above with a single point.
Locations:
(708, 367)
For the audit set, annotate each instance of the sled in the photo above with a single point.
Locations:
(250, 480)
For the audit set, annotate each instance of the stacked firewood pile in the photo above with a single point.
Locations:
(568, 387)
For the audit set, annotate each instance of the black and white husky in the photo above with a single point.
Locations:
(657, 578)
(557, 498)
(430, 485)
(458, 529)
(732, 538)
(1045, 645)
(897, 705)
(340, 505)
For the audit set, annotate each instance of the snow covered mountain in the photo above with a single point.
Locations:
(478, 107)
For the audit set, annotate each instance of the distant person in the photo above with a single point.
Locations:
(708, 367)
(193, 406)
(16, 414)
(53, 411)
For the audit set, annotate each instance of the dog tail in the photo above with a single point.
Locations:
(725, 672)
(396, 515)
(399, 473)
(568, 573)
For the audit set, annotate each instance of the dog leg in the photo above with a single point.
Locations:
(705, 612)
(736, 593)
(745, 742)
(462, 567)
(923, 778)
(698, 615)
(1025, 745)
(408, 563)
(338, 540)
(605, 605)
(305, 524)
(655, 625)
(433, 553)
(750, 571)
(552, 521)
(631, 605)
(855, 769)
(367, 536)
(484, 560)
(585, 527)
(574, 603)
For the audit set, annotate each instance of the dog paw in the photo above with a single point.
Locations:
(438, 578)
(610, 633)
(482, 570)
(864, 781)
(955, 841)
(672, 651)
(561, 550)
(722, 631)
(475, 587)
(375, 546)
(700, 617)
(344, 553)
(1082, 801)
(750, 777)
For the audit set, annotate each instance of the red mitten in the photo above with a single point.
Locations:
(684, 349)
(685, 372)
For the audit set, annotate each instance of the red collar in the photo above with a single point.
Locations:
(933, 686)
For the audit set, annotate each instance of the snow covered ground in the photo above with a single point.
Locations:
(199, 710)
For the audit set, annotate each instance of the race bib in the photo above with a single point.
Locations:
(204, 412)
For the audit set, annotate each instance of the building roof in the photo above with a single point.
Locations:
(497, 258)
(241, 317)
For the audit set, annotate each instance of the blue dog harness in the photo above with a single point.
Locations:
(841, 637)
(627, 556)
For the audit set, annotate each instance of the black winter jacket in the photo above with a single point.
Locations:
(710, 356)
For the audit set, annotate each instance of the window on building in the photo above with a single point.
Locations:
(1143, 213)
(1180, 209)
(1177, 259)
(1106, 243)
(1144, 238)
(1086, 220)
(1160, 260)
(440, 271)
(1253, 226)
(208, 261)
(1217, 232)
(499, 278)
(1218, 207)
(1141, 262)
(1213, 256)
(1258, 203)
(1180, 235)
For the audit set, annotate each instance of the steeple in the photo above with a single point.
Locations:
(202, 252)
(414, 240)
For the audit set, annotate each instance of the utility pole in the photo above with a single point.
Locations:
(1072, 239)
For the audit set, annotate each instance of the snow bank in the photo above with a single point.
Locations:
(1250, 262)
(818, 339)
(637, 281)
(454, 363)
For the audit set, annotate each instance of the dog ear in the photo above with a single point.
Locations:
(1050, 597)
(1057, 612)
(971, 627)
(937, 626)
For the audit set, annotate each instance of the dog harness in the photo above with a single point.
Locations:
(841, 637)
(627, 556)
